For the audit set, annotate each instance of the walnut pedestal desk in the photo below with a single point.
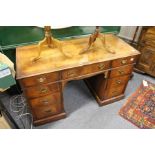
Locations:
(105, 74)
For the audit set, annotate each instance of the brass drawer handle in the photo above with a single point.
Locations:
(42, 79)
(43, 90)
(123, 62)
(101, 66)
(48, 111)
(121, 72)
(45, 101)
(114, 92)
(71, 74)
(118, 81)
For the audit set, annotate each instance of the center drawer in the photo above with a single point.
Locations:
(46, 106)
(41, 90)
(84, 70)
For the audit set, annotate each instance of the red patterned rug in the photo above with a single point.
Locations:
(140, 107)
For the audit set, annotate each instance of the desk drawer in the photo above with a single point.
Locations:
(150, 36)
(123, 61)
(71, 73)
(46, 106)
(116, 86)
(121, 71)
(41, 90)
(113, 92)
(118, 81)
(96, 67)
(40, 79)
(84, 70)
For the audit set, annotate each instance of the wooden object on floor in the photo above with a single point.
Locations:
(106, 74)
(146, 45)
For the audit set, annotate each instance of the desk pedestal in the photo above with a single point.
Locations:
(42, 82)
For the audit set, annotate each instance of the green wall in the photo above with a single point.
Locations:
(14, 36)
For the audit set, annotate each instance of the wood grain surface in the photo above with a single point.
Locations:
(53, 60)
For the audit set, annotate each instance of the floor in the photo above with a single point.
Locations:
(83, 111)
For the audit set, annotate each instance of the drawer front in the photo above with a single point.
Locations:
(121, 71)
(71, 73)
(118, 81)
(123, 61)
(40, 79)
(84, 70)
(149, 36)
(46, 106)
(41, 90)
(113, 92)
(150, 43)
(96, 67)
(116, 86)
(147, 53)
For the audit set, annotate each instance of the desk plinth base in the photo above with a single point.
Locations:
(49, 119)
(108, 101)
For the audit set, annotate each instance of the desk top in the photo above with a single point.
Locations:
(53, 60)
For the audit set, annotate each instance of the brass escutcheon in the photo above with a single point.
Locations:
(48, 111)
(43, 90)
(101, 66)
(42, 79)
(121, 72)
(118, 81)
(124, 62)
